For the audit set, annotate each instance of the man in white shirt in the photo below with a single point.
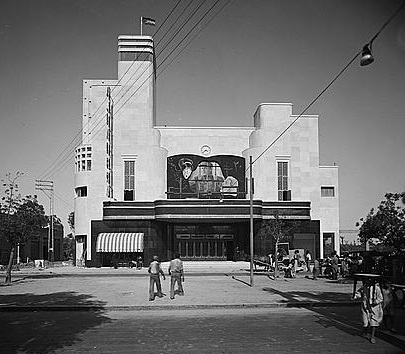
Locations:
(177, 275)
(154, 271)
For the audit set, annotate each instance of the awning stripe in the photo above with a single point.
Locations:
(119, 242)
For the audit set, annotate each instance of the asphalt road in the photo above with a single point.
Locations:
(254, 330)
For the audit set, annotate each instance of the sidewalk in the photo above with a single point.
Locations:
(207, 285)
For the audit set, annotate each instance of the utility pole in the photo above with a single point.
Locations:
(251, 218)
(47, 188)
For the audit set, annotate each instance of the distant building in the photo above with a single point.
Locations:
(143, 189)
(349, 237)
(35, 248)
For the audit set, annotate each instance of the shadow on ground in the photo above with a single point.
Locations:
(305, 296)
(346, 317)
(41, 332)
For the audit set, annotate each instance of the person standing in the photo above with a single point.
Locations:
(297, 261)
(176, 273)
(388, 306)
(371, 307)
(316, 270)
(308, 259)
(345, 265)
(155, 270)
(335, 265)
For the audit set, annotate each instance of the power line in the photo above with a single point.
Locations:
(99, 119)
(327, 86)
(196, 34)
(140, 86)
(70, 205)
(78, 135)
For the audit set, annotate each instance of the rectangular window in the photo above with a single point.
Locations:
(88, 165)
(282, 181)
(327, 191)
(129, 180)
(81, 191)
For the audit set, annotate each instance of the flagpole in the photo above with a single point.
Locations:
(141, 25)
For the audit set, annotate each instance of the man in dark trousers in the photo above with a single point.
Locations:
(177, 275)
(154, 271)
(335, 265)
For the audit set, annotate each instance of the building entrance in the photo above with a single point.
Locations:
(196, 242)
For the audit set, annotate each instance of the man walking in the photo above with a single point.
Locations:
(154, 271)
(177, 275)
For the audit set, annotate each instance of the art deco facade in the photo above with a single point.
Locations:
(142, 188)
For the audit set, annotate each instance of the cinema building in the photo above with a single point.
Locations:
(147, 189)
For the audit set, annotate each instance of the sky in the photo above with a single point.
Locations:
(248, 53)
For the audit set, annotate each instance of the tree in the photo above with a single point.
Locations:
(272, 232)
(71, 221)
(20, 218)
(68, 247)
(386, 223)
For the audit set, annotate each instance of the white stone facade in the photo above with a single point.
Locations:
(135, 137)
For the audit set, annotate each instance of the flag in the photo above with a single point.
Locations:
(148, 21)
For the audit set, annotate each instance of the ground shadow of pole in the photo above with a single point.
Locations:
(41, 332)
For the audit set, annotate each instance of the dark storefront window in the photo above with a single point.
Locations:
(204, 241)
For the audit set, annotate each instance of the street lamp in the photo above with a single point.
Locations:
(366, 55)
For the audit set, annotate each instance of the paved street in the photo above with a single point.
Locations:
(73, 310)
(278, 330)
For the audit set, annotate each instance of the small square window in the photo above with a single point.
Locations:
(327, 191)
(81, 191)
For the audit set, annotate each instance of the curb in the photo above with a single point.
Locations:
(19, 277)
(302, 304)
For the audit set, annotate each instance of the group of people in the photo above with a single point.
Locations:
(176, 273)
(348, 266)
(291, 270)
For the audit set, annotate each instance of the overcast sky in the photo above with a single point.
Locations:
(251, 52)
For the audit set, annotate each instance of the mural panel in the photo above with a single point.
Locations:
(194, 176)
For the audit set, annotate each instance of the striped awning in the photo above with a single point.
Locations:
(119, 242)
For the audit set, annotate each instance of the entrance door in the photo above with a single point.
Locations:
(204, 246)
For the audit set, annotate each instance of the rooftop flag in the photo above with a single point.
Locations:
(148, 21)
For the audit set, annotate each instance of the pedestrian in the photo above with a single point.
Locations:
(388, 306)
(289, 270)
(270, 260)
(176, 273)
(139, 262)
(371, 307)
(297, 261)
(345, 265)
(114, 261)
(308, 259)
(316, 270)
(334, 262)
(155, 270)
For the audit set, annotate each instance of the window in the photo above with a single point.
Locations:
(129, 180)
(282, 181)
(327, 191)
(88, 165)
(81, 192)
